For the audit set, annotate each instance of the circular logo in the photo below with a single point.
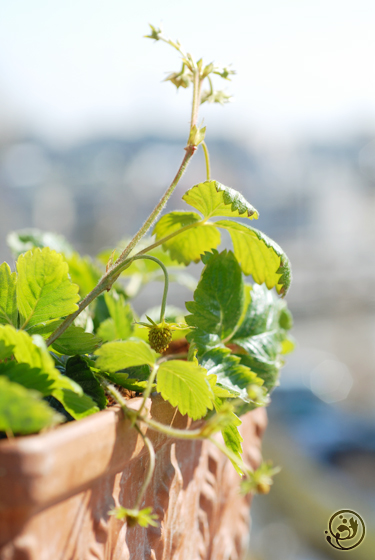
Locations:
(346, 530)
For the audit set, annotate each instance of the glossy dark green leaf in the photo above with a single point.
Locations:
(8, 299)
(23, 411)
(219, 297)
(78, 370)
(261, 336)
(231, 374)
(259, 256)
(133, 378)
(214, 199)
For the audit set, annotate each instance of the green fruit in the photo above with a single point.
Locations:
(159, 337)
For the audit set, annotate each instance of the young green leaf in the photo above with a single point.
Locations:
(189, 245)
(115, 356)
(33, 352)
(185, 385)
(44, 289)
(78, 406)
(120, 324)
(259, 256)
(78, 370)
(26, 239)
(83, 272)
(8, 301)
(214, 199)
(23, 411)
(219, 297)
(71, 342)
(231, 436)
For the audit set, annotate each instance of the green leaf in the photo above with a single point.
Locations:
(261, 335)
(189, 245)
(219, 297)
(231, 436)
(231, 374)
(259, 256)
(44, 289)
(8, 301)
(23, 411)
(78, 370)
(72, 341)
(134, 378)
(83, 272)
(115, 356)
(185, 385)
(33, 352)
(79, 406)
(121, 315)
(214, 199)
(26, 239)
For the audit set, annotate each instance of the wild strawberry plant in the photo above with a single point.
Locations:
(69, 337)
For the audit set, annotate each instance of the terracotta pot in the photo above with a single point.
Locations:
(56, 490)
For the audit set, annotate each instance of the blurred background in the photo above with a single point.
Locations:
(90, 137)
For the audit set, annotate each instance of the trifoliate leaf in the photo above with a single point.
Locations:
(71, 342)
(8, 301)
(214, 199)
(219, 297)
(185, 385)
(78, 370)
(44, 289)
(23, 411)
(115, 356)
(259, 256)
(191, 243)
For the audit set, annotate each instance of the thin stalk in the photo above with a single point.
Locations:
(114, 271)
(207, 160)
(224, 449)
(171, 432)
(150, 470)
(147, 391)
(166, 281)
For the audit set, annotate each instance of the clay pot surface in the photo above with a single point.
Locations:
(56, 490)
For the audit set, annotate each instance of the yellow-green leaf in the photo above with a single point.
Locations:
(8, 301)
(44, 289)
(115, 356)
(214, 199)
(259, 256)
(192, 242)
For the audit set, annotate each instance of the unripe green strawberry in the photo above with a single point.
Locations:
(159, 337)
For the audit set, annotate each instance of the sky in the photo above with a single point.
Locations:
(73, 69)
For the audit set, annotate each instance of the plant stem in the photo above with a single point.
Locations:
(166, 280)
(150, 471)
(207, 159)
(114, 271)
(147, 391)
(171, 432)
